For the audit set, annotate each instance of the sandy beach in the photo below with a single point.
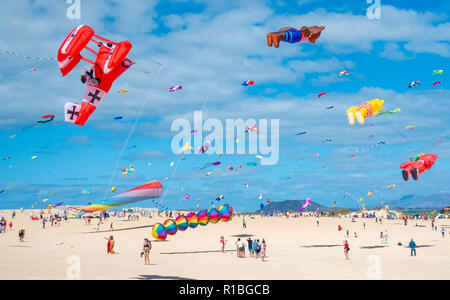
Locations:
(296, 249)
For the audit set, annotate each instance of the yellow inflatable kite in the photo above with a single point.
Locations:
(363, 111)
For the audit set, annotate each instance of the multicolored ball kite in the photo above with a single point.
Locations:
(159, 232)
(181, 222)
(203, 219)
(213, 215)
(223, 213)
(170, 226)
(192, 219)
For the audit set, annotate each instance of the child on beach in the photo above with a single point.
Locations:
(222, 244)
(346, 249)
(263, 250)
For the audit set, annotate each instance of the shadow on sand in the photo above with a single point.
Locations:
(197, 252)
(424, 246)
(372, 247)
(150, 277)
(321, 246)
(242, 235)
(120, 229)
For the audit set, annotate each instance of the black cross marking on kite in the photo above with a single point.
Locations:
(73, 112)
(94, 97)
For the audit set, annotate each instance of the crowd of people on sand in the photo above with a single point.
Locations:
(384, 236)
(256, 248)
(7, 226)
(4, 224)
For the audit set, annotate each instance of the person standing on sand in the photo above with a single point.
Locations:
(381, 237)
(346, 249)
(222, 244)
(111, 226)
(240, 247)
(250, 246)
(263, 250)
(443, 231)
(110, 245)
(243, 223)
(413, 247)
(258, 248)
(146, 251)
(255, 248)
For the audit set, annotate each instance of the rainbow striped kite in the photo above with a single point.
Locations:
(150, 190)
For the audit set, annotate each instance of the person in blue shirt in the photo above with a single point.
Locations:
(255, 248)
(413, 247)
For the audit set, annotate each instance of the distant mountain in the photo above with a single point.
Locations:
(432, 202)
(293, 205)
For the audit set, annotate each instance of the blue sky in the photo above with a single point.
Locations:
(203, 42)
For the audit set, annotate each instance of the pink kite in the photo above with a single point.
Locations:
(305, 205)
(342, 73)
(175, 88)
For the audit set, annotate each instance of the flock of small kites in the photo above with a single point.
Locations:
(358, 113)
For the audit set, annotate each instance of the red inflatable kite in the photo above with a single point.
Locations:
(424, 162)
(110, 63)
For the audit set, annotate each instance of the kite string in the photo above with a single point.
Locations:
(150, 94)
(205, 102)
(209, 93)
(170, 181)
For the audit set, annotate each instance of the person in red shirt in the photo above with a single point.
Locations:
(346, 249)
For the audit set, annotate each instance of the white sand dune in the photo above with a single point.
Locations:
(296, 249)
